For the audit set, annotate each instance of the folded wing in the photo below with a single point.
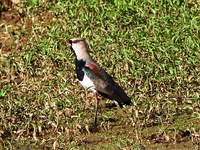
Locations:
(105, 85)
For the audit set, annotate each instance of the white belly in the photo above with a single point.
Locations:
(87, 83)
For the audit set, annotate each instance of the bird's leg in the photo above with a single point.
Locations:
(96, 107)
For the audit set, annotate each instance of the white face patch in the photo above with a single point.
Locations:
(79, 49)
(88, 84)
(75, 47)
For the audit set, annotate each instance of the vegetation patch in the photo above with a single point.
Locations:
(151, 48)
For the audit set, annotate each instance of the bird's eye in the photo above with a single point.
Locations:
(75, 41)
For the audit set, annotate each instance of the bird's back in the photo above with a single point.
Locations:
(105, 85)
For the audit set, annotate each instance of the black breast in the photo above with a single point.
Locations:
(79, 65)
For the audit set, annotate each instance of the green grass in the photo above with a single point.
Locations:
(151, 48)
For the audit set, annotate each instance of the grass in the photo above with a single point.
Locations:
(151, 48)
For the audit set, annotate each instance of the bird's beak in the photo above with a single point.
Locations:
(69, 46)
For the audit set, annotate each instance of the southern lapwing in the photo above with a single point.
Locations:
(94, 78)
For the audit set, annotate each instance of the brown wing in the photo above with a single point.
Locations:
(106, 86)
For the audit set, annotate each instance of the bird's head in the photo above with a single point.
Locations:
(78, 45)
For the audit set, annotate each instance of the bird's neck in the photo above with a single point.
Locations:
(84, 57)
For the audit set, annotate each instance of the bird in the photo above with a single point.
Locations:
(94, 78)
